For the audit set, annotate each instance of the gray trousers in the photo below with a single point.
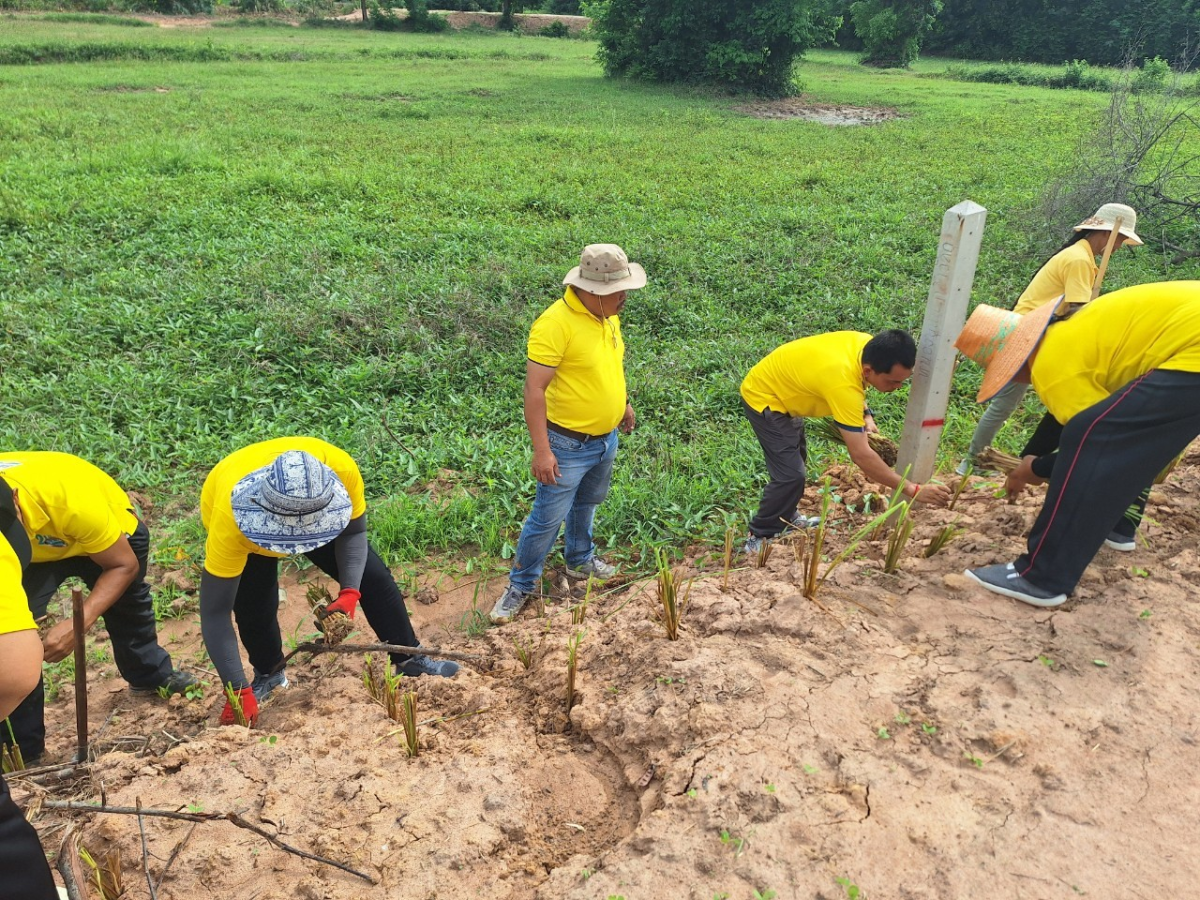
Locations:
(999, 408)
(786, 451)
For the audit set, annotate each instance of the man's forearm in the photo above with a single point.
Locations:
(535, 418)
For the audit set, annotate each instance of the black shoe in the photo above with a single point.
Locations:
(175, 683)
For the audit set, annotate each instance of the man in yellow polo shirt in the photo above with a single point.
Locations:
(23, 869)
(1122, 375)
(81, 524)
(285, 497)
(823, 375)
(575, 400)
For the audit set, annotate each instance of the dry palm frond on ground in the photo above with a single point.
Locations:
(827, 428)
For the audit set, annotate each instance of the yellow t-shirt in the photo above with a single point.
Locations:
(14, 608)
(587, 392)
(69, 507)
(813, 376)
(226, 550)
(1115, 339)
(1068, 273)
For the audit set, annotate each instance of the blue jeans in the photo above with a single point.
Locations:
(585, 473)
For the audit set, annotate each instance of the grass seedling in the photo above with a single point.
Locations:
(473, 622)
(763, 554)
(106, 874)
(958, 488)
(579, 610)
(10, 753)
(671, 601)
(728, 558)
(524, 653)
(813, 577)
(939, 541)
(235, 703)
(735, 843)
(898, 539)
(572, 664)
(408, 718)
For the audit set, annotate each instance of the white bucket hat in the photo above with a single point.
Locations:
(605, 269)
(293, 505)
(1106, 216)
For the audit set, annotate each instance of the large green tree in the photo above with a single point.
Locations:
(892, 30)
(745, 44)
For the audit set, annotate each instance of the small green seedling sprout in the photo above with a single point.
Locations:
(851, 889)
(769, 788)
(1140, 571)
(929, 728)
(691, 792)
(903, 718)
(809, 770)
(1100, 663)
(1046, 661)
(883, 733)
(765, 894)
(1145, 614)
(973, 759)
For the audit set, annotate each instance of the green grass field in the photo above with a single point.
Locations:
(214, 236)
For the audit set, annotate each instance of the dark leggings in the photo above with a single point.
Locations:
(256, 608)
(24, 873)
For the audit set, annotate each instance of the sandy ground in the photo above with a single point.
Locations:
(910, 737)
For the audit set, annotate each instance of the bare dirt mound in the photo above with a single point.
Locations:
(911, 737)
(823, 113)
(527, 23)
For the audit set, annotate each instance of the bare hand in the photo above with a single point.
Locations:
(545, 467)
(59, 642)
(869, 425)
(629, 420)
(933, 494)
(1020, 478)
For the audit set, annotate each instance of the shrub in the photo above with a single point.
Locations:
(556, 30)
(892, 30)
(1152, 76)
(744, 44)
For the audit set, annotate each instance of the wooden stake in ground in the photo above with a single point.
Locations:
(81, 723)
(1108, 249)
(945, 313)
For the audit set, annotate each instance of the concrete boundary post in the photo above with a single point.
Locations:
(945, 313)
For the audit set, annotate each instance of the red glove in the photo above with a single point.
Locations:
(346, 602)
(249, 708)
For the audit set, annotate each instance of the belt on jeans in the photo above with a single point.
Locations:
(576, 435)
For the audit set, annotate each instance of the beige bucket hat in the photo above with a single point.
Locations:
(605, 269)
(1001, 341)
(1106, 216)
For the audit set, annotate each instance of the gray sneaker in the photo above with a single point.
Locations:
(753, 545)
(594, 568)
(424, 665)
(265, 685)
(508, 605)
(1002, 578)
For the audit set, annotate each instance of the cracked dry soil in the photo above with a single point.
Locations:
(915, 737)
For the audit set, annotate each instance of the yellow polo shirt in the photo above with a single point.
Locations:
(813, 376)
(1069, 273)
(69, 507)
(14, 608)
(1115, 339)
(587, 392)
(226, 549)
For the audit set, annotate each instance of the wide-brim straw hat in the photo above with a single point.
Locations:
(605, 269)
(293, 505)
(1001, 341)
(1106, 217)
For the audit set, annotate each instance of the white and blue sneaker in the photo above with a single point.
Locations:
(265, 685)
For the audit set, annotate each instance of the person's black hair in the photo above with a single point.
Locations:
(889, 348)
